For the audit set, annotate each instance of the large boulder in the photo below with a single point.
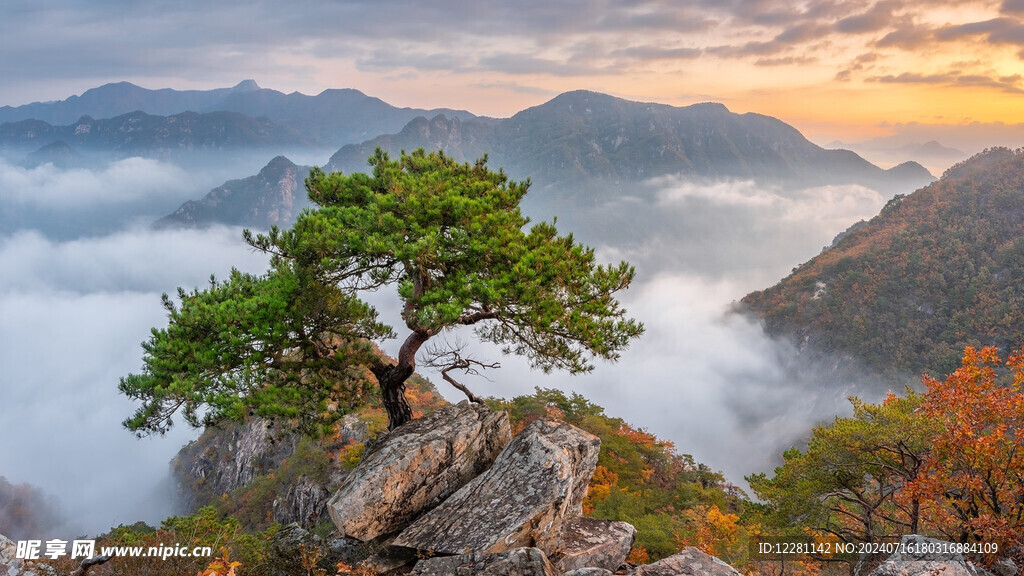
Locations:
(926, 556)
(592, 543)
(415, 467)
(515, 562)
(688, 562)
(538, 481)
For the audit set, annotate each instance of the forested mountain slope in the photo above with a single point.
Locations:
(935, 271)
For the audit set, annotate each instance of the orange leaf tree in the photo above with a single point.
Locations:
(973, 481)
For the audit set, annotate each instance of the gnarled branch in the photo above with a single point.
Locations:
(450, 357)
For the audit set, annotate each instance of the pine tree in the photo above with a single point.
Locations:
(298, 342)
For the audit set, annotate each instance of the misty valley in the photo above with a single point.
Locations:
(827, 347)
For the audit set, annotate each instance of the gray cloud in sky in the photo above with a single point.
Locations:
(95, 42)
(1010, 84)
(878, 17)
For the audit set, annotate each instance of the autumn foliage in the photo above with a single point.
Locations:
(933, 272)
(946, 463)
(973, 481)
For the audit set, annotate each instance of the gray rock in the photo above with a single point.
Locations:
(224, 459)
(1005, 567)
(291, 547)
(346, 550)
(589, 572)
(917, 557)
(688, 562)
(303, 502)
(9, 564)
(390, 560)
(415, 467)
(515, 562)
(538, 481)
(592, 543)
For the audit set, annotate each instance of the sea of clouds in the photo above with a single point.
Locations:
(82, 274)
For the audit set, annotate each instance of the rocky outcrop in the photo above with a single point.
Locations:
(232, 456)
(1005, 567)
(293, 548)
(592, 543)
(228, 458)
(589, 572)
(10, 565)
(515, 562)
(417, 466)
(537, 482)
(688, 562)
(920, 556)
(304, 500)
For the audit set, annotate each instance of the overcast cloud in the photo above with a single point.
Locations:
(108, 197)
(732, 229)
(51, 50)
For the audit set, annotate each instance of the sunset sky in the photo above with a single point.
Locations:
(835, 70)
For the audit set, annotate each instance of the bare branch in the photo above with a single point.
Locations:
(453, 382)
(89, 563)
(449, 357)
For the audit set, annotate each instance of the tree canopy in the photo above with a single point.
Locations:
(297, 341)
(945, 463)
(850, 481)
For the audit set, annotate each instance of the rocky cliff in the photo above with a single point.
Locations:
(260, 473)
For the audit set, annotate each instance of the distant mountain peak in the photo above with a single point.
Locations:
(58, 153)
(274, 197)
(910, 170)
(579, 97)
(710, 107)
(246, 86)
(277, 165)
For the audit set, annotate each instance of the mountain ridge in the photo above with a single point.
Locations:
(118, 98)
(138, 132)
(331, 118)
(274, 196)
(588, 145)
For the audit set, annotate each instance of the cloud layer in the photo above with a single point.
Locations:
(74, 313)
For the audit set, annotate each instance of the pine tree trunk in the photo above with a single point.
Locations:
(392, 380)
(392, 391)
